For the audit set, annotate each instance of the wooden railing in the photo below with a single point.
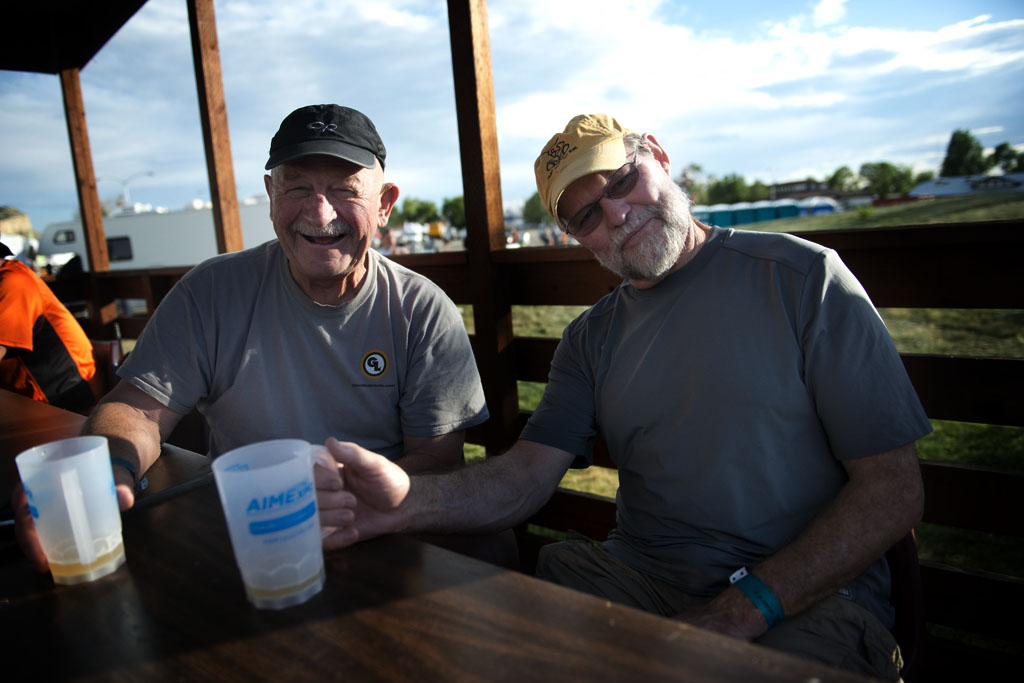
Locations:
(966, 265)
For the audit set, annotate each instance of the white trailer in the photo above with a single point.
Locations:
(152, 239)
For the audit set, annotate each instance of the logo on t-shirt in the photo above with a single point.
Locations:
(375, 364)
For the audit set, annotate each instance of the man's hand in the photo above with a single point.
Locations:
(373, 488)
(25, 528)
(730, 613)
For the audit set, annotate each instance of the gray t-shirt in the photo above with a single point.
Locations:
(728, 394)
(237, 338)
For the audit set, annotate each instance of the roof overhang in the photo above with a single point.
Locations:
(49, 36)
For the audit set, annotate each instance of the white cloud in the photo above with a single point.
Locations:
(800, 94)
(829, 12)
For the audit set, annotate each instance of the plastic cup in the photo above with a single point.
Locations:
(70, 489)
(268, 494)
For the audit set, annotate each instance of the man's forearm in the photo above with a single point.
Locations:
(496, 494)
(882, 501)
(134, 423)
(489, 496)
(129, 436)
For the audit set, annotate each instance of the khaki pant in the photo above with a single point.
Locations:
(835, 631)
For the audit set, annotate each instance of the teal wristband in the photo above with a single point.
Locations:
(761, 595)
(139, 484)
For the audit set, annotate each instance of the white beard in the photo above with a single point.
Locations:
(652, 255)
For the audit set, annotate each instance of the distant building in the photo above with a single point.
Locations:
(798, 189)
(806, 189)
(969, 184)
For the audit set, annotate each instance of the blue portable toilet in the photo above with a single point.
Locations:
(721, 215)
(786, 208)
(818, 205)
(701, 213)
(743, 213)
(763, 211)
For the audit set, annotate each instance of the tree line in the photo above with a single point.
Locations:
(964, 156)
(423, 211)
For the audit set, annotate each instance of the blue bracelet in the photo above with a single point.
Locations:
(760, 594)
(140, 484)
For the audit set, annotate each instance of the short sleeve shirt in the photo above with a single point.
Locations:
(237, 338)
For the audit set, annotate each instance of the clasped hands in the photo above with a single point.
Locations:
(363, 498)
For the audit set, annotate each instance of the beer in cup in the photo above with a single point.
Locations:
(70, 489)
(268, 494)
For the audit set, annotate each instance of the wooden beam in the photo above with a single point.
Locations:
(214, 119)
(85, 176)
(481, 187)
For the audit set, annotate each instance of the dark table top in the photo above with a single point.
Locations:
(392, 609)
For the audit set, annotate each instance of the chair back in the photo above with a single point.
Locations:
(107, 354)
(908, 598)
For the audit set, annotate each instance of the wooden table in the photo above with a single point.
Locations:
(392, 609)
(25, 423)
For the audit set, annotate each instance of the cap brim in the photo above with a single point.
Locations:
(604, 157)
(332, 148)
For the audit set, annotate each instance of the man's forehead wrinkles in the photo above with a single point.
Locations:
(331, 174)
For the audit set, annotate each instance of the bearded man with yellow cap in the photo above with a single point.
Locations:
(757, 410)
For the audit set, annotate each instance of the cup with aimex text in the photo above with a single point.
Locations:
(70, 489)
(268, 493)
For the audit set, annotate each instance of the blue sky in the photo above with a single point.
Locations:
(774, 91)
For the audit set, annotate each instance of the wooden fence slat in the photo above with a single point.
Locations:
(985, 390)
(979, 498)
(994, 606)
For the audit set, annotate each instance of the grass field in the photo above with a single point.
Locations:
(994, 206)
(998, 333)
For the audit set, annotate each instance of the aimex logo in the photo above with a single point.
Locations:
(558, 151)
(375, 364)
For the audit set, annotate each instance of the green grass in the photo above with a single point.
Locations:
(993, 206)
(975, 332)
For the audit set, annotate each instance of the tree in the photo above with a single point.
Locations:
(843, 180)
(923, 177)
(1007, 158)
(758, 192)
(454, 211)
(692, 180)
(534, 212)
(420, 210)
(729, 190)
(884, 178)
(964, 156)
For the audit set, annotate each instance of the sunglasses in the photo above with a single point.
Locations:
(620, 184)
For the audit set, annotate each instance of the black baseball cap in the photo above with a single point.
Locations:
(327, 129)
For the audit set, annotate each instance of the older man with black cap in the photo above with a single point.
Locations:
(307, 336)
(755, 405)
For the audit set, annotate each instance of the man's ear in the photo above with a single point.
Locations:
(268, 182)
(660, 155)
(388, 199)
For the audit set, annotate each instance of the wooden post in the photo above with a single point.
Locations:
(481, 186)
(85, 176)
(98, 304)
(214, 119)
